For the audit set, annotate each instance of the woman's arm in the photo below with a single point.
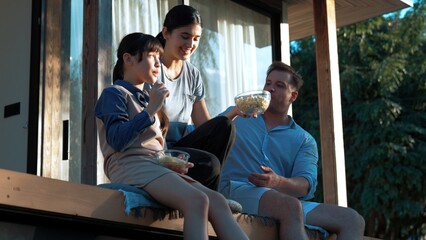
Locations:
(200, 114)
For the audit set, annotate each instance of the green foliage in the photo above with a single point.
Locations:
(383, 82)
(305, 109)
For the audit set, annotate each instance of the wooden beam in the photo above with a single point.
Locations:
(90, 91)
(52, 121)
(331, 130)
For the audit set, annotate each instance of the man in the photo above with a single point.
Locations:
(272, 168)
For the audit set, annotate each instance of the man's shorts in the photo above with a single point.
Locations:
(248, 195)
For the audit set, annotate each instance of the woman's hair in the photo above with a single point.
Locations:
(296, 79)
(179, 16)
(135, 44)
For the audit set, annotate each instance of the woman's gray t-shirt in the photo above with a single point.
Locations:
(184, 91)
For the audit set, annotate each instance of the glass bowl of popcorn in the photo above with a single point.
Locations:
(172, 158)
(253, 101)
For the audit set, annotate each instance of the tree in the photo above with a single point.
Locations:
(383, 82)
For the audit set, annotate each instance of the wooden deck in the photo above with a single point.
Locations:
(27, 199)
(22, 193)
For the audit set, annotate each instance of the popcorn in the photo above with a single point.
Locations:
(251, 102)
(172, 158)
(171, 161)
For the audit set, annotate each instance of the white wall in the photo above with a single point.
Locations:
(15, 42)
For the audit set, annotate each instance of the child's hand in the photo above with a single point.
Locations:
(157, 95)
(181, 169)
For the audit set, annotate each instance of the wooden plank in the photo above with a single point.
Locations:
(331, 129)
(52, 124)
(57, 196)
(80, 200)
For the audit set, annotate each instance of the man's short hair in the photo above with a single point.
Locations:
(296, 79)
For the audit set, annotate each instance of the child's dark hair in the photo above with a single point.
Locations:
(135, 44)
(179, 16)
(296, 79)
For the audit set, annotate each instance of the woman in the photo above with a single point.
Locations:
(212, 139)
(131, 131)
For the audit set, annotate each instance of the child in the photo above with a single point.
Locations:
(131, 131)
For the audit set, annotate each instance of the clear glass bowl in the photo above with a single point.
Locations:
(171, 158)
(253, 101)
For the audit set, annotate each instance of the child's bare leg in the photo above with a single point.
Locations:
(221, 216)
(173, 191)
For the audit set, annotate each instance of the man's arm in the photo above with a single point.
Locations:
(306, 165)
(303, 179)
(295, 186)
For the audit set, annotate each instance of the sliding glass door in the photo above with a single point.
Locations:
(234, 52)
(61, 102)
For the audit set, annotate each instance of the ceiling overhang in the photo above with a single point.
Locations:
(300, 12)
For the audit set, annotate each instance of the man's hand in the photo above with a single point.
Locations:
(266, 179)
(235, 112)
(295, 186)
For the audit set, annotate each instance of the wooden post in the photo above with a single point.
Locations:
(51, 150)
(90, 91)
(331, 130)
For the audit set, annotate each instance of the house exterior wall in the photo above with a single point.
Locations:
(15, 42)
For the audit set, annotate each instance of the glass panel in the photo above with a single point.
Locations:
(137, 16)
(76, 76)
(234, 52)
(125, 16)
